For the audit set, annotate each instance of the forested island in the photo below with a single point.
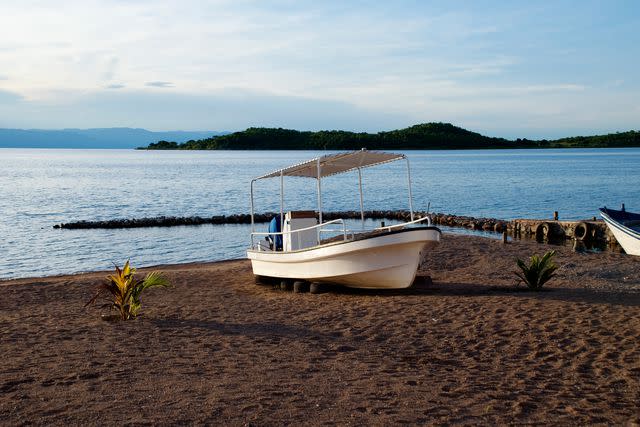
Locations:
(427, 136)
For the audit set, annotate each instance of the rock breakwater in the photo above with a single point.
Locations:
(590, 231)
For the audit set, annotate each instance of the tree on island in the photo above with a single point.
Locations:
(426, 136)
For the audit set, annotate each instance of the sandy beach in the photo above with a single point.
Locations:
(218, 349)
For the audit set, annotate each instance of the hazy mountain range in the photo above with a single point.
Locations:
(94, 138)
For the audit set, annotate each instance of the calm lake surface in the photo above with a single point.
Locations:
(40, 188)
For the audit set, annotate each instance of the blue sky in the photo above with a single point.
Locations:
(512, 69)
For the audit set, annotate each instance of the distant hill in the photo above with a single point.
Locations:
(427, 136)
(93, 138)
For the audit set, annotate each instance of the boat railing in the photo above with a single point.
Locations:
(346, 233)
(386, 227)
(404, 224)
(318, 227)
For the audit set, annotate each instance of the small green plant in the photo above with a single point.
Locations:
(123, 290)
(538, 272)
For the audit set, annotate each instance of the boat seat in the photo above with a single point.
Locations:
(299, 220)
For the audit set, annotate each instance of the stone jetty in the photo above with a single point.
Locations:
(173, 221)
(591, 232)
(163, 221)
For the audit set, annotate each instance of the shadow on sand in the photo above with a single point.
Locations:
(469, 290)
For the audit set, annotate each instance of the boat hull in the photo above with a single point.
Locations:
(385, 261)
(627, 237)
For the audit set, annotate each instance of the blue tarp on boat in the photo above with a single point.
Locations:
(274, 227)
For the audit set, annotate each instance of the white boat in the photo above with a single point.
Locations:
(383, 258)
(625, 227)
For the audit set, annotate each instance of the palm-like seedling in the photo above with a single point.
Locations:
(124, 290)
(538, 272)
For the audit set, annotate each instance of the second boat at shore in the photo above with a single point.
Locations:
(625, 226)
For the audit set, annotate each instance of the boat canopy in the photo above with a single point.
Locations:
(333, 164)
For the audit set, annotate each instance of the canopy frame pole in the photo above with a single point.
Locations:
(361, 199)
(409, 182)
(319, 176)
(282, 204)
(253, 228)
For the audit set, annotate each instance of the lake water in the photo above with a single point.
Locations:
(40, 188)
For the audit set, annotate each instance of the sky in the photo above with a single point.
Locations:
(542, 69)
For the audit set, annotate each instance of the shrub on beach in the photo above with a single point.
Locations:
(123, 291)
(539, 271)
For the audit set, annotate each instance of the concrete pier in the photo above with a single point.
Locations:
(591, 232)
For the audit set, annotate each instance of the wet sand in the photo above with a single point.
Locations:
(218, 349)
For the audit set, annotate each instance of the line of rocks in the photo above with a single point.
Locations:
(163, 221)
(485, 224)
(172, 221)
(595, 233)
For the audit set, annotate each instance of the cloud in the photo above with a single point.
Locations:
(159, 84)
(477, 91)
(563, 87)
(110, 66)
(614, 83)
(3, 77)
(490, 66)
(399, 62)
(9, 97)
(540, 114)
(231, 109)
